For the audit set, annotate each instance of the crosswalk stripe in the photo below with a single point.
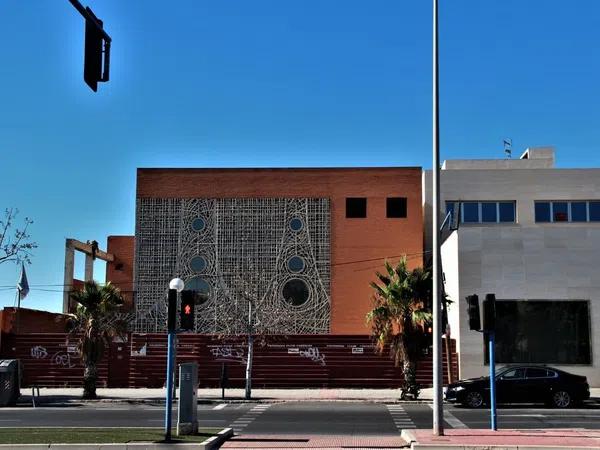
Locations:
(452, 420)
(221, 406)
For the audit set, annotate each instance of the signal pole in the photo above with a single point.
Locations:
(438, 422)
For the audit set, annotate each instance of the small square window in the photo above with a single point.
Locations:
(507, 211)
(470, 212)
(560, 212)
(488, 212)
(594, 211)
(542, 211)
(396, 207)
(356, 208)
(578, 212)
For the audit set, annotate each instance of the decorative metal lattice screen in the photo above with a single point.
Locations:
(279, 247)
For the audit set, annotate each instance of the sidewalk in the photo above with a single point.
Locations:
(127, 395)
(504, 439)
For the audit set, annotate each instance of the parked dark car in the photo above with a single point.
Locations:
(522, 384)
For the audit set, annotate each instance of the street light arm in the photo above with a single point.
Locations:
(87, 15)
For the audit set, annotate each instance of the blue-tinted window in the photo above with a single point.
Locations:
(594, 211)
(542, 211)
(560, 212)
(450, 208)
(488, 212)
(470, 212)
(507, 211)
(578, 212)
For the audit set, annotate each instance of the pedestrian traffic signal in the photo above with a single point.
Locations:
(186, 313)
(473, 311)
(172, 310)
(489, 313)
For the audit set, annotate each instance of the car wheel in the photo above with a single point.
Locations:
(561, 399)
(473, 399)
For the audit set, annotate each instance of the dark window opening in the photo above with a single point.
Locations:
(542, 211)
(396, 207)
(578, 212)
(356, 208)
(542, 332)
(507, 211)
(488, 212)
(560, 211)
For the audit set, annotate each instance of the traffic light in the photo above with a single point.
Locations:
(473, 311)
(489, 313)
(172, 310)
(186, 314)
(92, 59)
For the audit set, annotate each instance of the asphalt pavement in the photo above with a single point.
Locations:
(300, 418)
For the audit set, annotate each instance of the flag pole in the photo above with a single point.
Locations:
(18, 309)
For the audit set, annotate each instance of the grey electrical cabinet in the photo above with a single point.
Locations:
(187, 422)
(9, 382)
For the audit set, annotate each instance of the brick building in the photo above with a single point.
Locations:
(316, 235)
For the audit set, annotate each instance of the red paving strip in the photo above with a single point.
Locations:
(568, 438)
(270, 441)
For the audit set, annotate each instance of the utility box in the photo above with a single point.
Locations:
(10, 382)
(187, 420)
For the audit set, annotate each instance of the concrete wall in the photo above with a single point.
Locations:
(524, 260)
(358, 246)
(516, 262)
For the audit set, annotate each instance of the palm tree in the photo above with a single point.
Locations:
(95, 323)
(398, 317)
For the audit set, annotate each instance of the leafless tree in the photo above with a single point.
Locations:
(15, 242)
(256, 313)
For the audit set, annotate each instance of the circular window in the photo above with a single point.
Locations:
(295, 292)
(200, 287)
(198, 224)
(296, 224)
(295, 264)
(198, 264)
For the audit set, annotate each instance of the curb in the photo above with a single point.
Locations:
(79, 402)
(211, 443)
(411, 440)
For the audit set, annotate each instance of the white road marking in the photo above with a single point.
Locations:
(400, 417)
(451, 419)
(221, 406)
(242, 422)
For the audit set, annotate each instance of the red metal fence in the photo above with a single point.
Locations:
(282, 361)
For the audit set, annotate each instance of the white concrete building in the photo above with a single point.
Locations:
(530, 234)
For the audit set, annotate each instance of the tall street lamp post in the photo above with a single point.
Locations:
(438, 423)
(175, 286)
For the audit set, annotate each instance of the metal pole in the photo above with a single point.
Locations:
(438, 423)
(492, 356)
(169, 399)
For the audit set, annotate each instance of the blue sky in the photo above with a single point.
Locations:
(272, 83)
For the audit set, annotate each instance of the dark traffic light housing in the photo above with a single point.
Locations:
(96, 60)
(489, 313)
(186, 313)
(473, 311)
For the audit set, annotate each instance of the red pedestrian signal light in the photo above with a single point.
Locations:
(186, 315)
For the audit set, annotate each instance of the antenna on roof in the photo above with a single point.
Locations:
(508, 148)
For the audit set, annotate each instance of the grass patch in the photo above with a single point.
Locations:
(95, 435)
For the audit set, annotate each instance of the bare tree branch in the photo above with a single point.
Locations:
(15, 246)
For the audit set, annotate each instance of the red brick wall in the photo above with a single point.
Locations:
(368, 240)
(120, 271)
(31, 321)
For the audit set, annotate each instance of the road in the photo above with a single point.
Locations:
(299, 418)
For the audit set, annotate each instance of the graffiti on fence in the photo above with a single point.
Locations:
(63, 359)
(38, 352)
(313, 354)
(228, 353)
